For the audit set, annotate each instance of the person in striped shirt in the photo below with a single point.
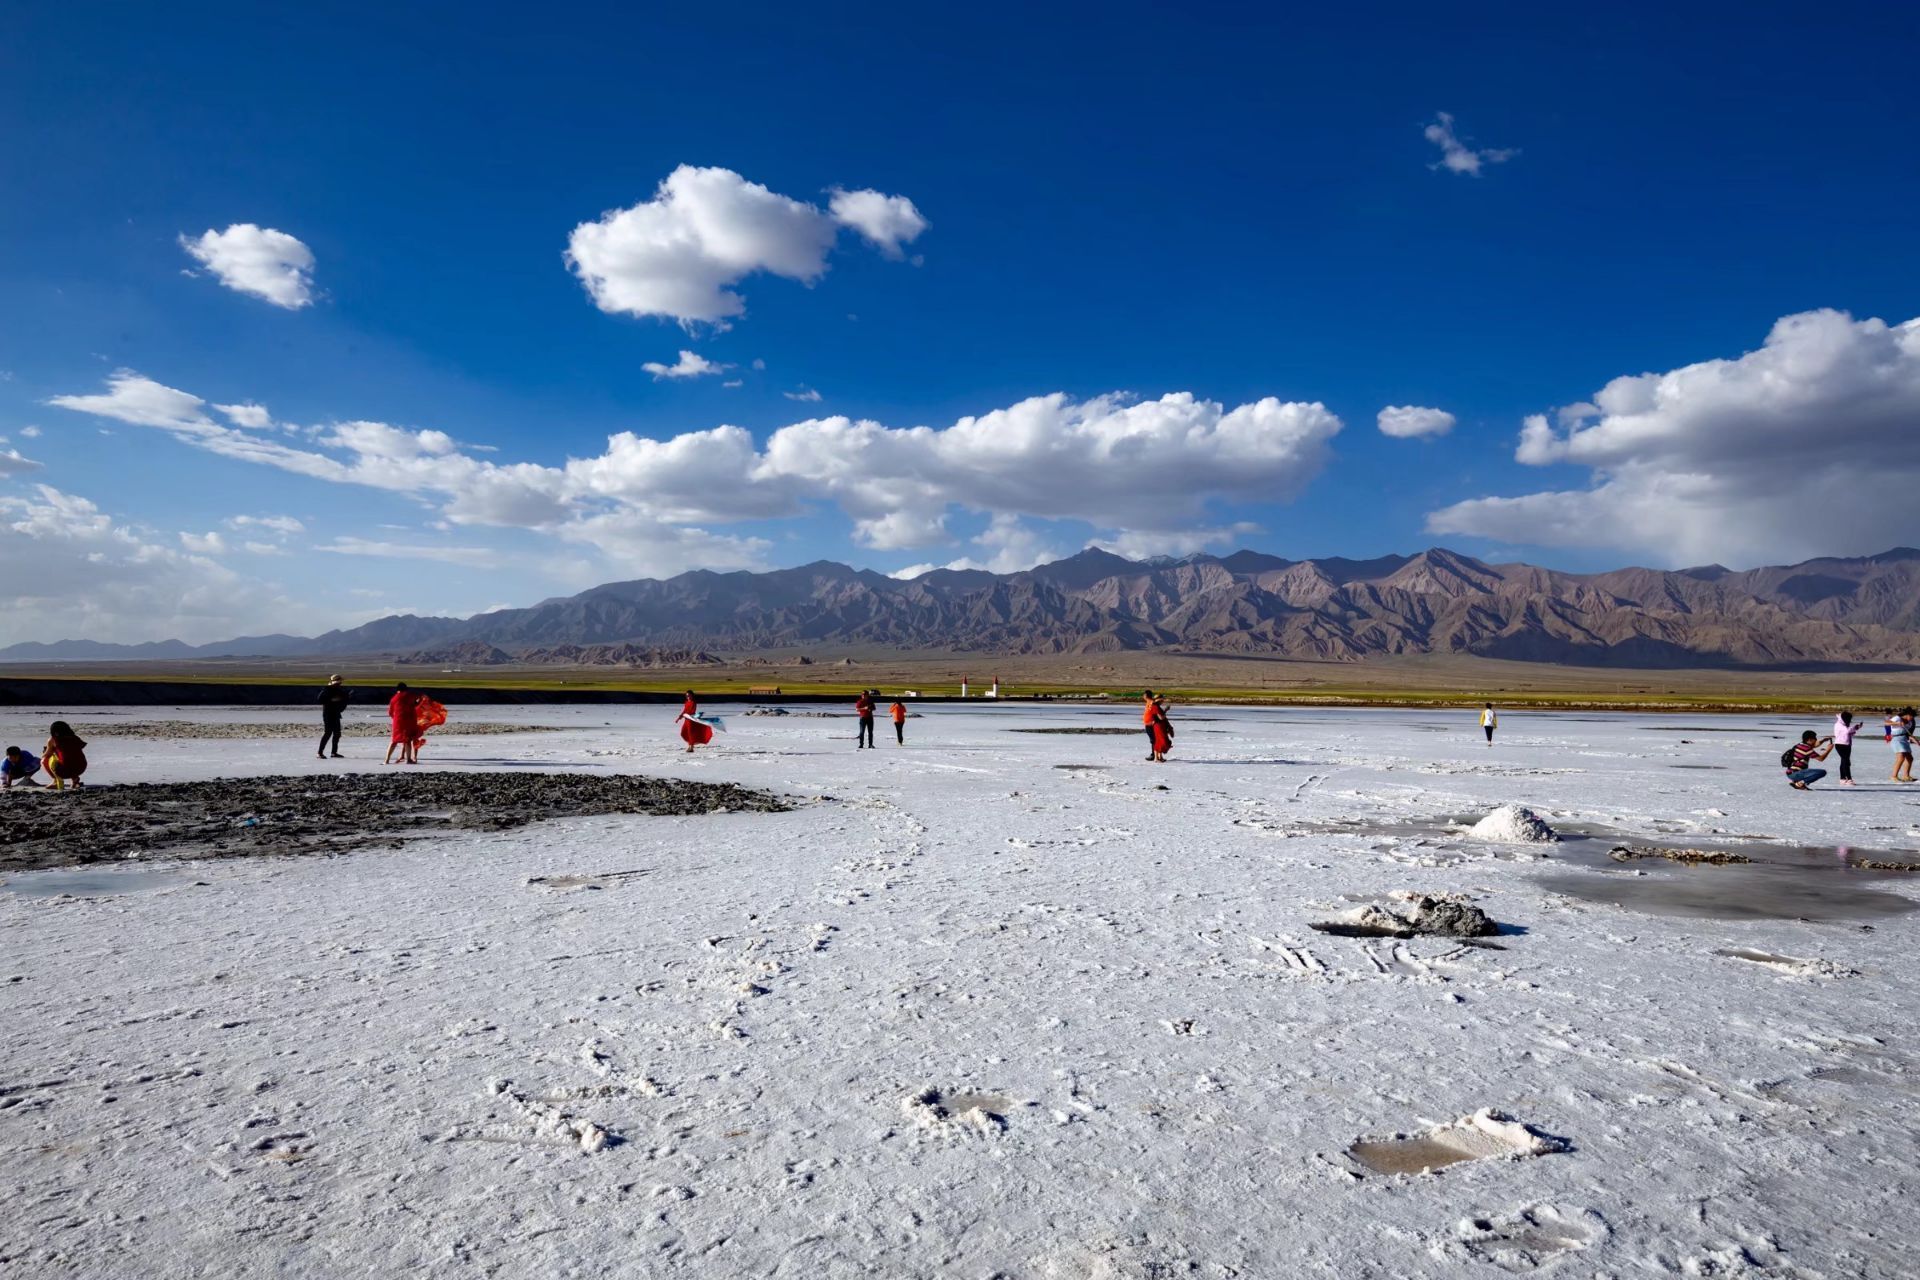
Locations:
(1800, 757)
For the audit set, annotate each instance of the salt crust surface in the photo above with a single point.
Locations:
(976, 1015)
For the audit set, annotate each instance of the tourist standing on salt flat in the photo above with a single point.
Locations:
(400, 713)
(693, 731)
(899, 713)
(1489, 721)
(863, 707)
(1161, 730)
(1148, 710)
(1844, 727)
(333, 704)
(1900, 734)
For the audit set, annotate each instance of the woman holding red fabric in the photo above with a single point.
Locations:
(406, 731)
(692, 731)
(1162, 730)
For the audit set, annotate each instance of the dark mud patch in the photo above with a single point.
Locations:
(253, 817)
(1446, 916)
(1689, 857)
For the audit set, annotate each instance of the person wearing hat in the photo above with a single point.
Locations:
(333, 702)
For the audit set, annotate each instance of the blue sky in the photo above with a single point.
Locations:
(1094, 202)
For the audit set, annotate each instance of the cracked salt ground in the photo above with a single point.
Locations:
(1178, 1064)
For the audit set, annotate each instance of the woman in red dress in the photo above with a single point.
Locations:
(692, 732)
(406, 732)
(1162, 730)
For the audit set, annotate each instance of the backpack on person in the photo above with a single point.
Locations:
(1787, 760)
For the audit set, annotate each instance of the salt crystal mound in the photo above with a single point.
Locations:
(1513, 824)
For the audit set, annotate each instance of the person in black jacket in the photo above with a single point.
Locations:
(333, 702)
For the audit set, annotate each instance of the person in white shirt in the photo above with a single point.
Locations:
(1489, 721)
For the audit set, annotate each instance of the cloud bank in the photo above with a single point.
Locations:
(1136, 467)
(1809, 445)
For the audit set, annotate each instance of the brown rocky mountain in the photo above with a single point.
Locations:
(1831, 611)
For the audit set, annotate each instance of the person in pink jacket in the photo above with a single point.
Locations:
(1844, 727)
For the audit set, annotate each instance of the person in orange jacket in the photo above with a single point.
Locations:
(899, 713)
(1149, 712)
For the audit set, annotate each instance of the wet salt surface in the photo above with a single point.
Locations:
(1777, 882)
(92, 882)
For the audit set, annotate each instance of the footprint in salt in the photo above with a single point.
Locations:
(1528, 1239)
(585, 880)
(1792, 966)
(959, 1111)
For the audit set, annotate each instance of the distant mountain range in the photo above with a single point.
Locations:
(1832, 611)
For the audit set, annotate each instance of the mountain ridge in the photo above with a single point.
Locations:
(1826, 610)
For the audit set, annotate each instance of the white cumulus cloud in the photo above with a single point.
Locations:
(678, 255)
(1809, 445)
(887, 222)
(256, 260)
(806, 395)
(1411, 422)
(1455, 155)
(690, 365)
